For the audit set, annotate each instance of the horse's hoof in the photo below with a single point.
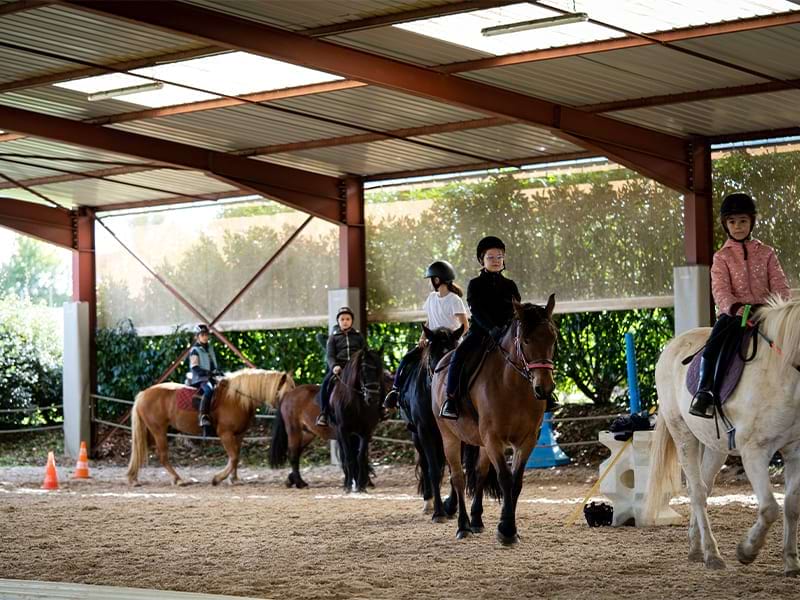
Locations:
(289, 482)
(370, 483)
(439, 519)
(792, 573)
(427, 509)
(134, 483)
(742, 556)
(301, 484)
(215, 482)
(507, 540)
(715, 563)
(463, 533)
(477, 528)
(696, 556)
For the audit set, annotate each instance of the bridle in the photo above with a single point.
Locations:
(367, 390)
(528, 366)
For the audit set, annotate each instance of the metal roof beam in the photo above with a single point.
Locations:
(22, 5)
(42, 222)
(310, 192)
(657, 155)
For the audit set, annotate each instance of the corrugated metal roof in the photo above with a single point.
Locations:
(60, 102)
(42, 147)
(235, 128)
(306, 14)
(407, 46)
(616, 75)
(75, 33)
(96, 192)
(715, 117)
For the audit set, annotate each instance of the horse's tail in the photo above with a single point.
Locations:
(491, 486)
(279, 446)
(664, 472)
(138, 441)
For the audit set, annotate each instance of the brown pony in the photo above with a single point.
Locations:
(505, 407)
(236, 399)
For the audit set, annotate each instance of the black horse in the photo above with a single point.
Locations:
(415, 399)
(356, 406)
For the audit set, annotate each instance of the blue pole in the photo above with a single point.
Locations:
(633, 376)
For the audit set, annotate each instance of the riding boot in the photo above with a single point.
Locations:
(205, 418)
(703, 402)
(449, 408)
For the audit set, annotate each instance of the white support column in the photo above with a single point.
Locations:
(692, 297)
(76, 386)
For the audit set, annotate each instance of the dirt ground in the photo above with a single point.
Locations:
(260, 539)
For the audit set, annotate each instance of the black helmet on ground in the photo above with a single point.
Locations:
(441, 269)
(488, 243)
(201, 328)
(737, 204)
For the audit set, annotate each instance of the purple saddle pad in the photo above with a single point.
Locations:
(729, 379)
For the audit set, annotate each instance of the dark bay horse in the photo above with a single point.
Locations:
(295, 427)
(235, 401)
(415, 398)
(505, 407)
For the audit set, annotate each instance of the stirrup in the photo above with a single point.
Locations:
(205, 420)
(322, 420)
(706, 408)
(447, 411)
(391, 398)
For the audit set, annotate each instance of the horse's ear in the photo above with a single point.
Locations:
(517, 307)
(428, 332)
(551, 304)
(282, 381)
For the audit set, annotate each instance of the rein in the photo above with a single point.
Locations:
(526, 370)
(366, 390)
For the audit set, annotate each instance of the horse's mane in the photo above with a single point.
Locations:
(531, 316)
(780, 321)
(351, 370)
(253, 387)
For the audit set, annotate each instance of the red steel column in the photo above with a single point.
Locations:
(84, 279)
(353, 245)
(698, 210)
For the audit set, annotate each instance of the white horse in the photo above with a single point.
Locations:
(764, 408)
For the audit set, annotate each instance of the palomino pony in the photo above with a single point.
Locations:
(505, 408)
(765, 410)
(415, 398)
(295, 427)
(235, 401)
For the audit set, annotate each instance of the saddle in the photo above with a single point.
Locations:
(731, 372)
(469, 371)
(188, 398)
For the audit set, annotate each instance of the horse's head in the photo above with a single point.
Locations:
(364, 375)
(535, 341)
(440, 342)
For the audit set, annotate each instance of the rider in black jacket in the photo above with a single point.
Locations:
(489, 296)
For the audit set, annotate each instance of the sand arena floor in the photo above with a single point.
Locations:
(261, 539)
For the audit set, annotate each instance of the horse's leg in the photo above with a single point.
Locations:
(294, 437)
(476, 511)
(791, 508)
(507, 527)
(452, 452)
(235, 473)
(521, 456)
(424, 486)
(711, 464)
(231, 444)
(362, 464)
(430, 440)
(160, 437)
(688, 447)
(756, 466)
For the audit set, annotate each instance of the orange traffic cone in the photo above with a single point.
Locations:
(50, 473)
(82, 468)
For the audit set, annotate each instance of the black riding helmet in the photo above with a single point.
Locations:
(486, 244)
(201, 328)
(345, 310)
(441, 269)
(737, 203)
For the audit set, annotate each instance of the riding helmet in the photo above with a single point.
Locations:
(488, 243)
(441, 269)
(345, 310)
(201, 328)
(737, 204)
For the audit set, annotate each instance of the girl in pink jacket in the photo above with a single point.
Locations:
(744, 271)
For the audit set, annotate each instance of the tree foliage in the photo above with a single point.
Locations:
(34, 272)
